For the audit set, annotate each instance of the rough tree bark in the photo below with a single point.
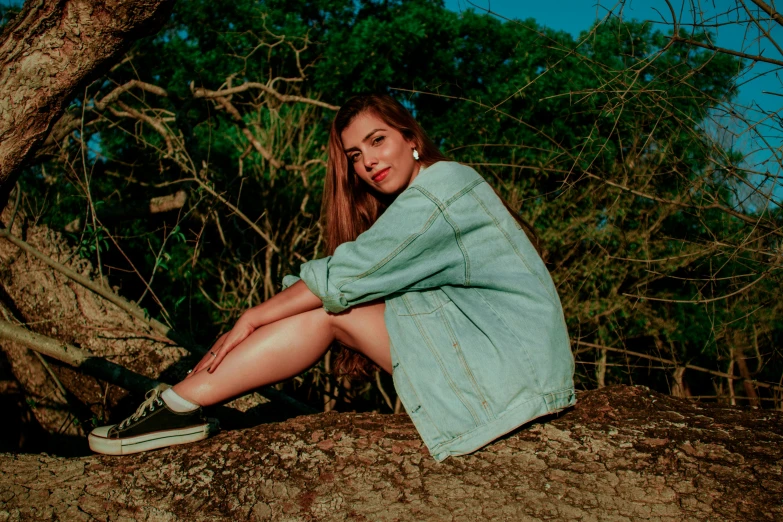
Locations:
(49, 304)
(624, 453)
(48, 53)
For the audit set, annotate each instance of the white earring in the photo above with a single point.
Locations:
(416, 154)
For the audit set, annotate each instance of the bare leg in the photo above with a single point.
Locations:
(285, 348)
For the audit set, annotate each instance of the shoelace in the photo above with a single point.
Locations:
(152, 399)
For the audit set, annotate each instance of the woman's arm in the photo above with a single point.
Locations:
(412, 246)
(292, 301)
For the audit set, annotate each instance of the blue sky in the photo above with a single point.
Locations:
(761, 85)
(575, 16)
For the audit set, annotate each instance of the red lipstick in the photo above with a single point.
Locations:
(381, 175)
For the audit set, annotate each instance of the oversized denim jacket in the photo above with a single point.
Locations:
(478, 339)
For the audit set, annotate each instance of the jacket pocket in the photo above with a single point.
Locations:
(420, 302)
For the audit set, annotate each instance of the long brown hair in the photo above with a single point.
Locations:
(349, 208)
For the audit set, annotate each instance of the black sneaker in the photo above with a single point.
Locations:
(153, 426)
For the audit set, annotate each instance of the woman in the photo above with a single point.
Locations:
(430, 277)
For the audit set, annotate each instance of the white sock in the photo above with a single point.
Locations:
(177, 403)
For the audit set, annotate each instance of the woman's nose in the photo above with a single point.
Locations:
(370, 161)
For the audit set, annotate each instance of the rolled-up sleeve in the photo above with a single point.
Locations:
(412, 246)
(289, 280)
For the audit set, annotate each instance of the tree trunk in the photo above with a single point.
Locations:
(624, 453)
(48, 53)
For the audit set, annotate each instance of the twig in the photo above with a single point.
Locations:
(716, 206)
(155, 124)
(88, 193)
(768, 9)
(115, 94)
(754, 57)
(53, 376)
(239, 213)
(17, 198)
(229, 107)
(701, 301)
(383, 392)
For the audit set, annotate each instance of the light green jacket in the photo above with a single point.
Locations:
(478, 339)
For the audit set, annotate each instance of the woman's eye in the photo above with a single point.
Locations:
(378, 140)
(353, 158)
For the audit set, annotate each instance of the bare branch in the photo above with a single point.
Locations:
(768, 9)
(675, 364)
(229, 107)
(754, 57)
(114, 95)
(283, 98)
(239, 213)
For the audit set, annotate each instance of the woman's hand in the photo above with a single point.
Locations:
(225, 343)
(294, 300)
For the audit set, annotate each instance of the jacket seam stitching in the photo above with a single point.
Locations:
(443, 205)
(429, 195)
(561, 392)
(467, 188)
(418, 399)
(513, 246)
(380, 264)
(412, 313)
(442, 366)
(457, 232)
(460, 244)
(458, 348)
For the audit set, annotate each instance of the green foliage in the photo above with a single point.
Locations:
(92, 241)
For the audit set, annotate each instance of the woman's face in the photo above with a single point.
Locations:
(380, 154)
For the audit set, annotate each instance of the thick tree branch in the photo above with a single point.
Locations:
(623, 453)
(768, 9)
(122, 303)
(48, 53)
(73, 356)
(109, 371)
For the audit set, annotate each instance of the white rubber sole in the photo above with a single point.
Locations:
(100, 443)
